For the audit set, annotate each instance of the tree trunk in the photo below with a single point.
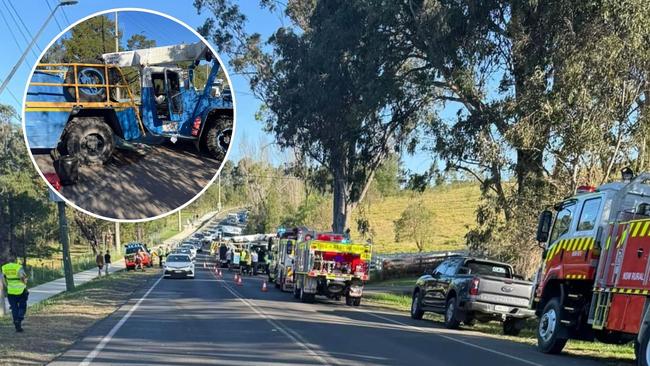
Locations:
(340, 206)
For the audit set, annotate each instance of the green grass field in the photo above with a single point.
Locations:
(454, 207)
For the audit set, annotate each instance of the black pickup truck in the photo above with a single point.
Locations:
(467, 289)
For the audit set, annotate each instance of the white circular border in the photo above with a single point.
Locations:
(202, 39)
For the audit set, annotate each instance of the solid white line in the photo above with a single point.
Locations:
(452, 339)
(100, 346)
(297, 339)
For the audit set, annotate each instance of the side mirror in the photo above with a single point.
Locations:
(544, 226)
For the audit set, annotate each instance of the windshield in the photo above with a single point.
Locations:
(488, 269)
(131, 250)
(178, 258)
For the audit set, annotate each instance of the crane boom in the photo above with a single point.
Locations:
(158, 55)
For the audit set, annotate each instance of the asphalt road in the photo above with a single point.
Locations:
(212, 321)
(139, 183)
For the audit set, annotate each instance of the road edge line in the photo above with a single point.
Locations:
(108, 337)
(452, 339)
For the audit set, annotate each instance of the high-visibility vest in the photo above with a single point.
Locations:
(15, 285)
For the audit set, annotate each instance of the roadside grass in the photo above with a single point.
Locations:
(610, 354)
(55, 324)
(394, 282)
(454, 208)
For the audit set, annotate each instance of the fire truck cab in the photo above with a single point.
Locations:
(594, 280)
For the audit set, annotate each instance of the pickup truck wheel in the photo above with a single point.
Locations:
(89, 139)
(642, 350)
(217, 137)
(513, 326)
(416, 307)
(450, 314)
(548, 339)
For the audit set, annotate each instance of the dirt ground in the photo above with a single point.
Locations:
(52, 327)
(140, 183)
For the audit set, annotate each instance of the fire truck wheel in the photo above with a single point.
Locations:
(89, 139)
(416, 306)
(305, 297)
(548, 340)
(217, 137)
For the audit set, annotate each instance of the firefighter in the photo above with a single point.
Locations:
(15, 283)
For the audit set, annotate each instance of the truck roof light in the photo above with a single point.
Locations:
(585, 189)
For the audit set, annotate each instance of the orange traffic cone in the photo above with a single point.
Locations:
(239, 281)
(264, 289)
(236, 277)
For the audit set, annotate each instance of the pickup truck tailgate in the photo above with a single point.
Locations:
(504, 291)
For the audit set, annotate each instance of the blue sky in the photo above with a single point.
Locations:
(34, 12)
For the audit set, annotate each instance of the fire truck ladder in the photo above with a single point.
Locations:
(603, 301)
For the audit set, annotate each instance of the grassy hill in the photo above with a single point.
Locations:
(454, 207)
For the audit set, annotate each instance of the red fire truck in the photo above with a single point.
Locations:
(594, 280)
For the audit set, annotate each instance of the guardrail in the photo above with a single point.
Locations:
(407, 264)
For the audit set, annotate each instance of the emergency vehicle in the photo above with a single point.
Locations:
(130, 251)
(77, 108)
(594, 280)
(284, 258)
(332, 266)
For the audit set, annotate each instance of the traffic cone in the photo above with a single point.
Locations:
(220, 274)
(236, 277)
(204, 265)
(239, 281)
(264, 289)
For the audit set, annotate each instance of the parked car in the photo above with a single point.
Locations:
(179, 265)
(467, 289)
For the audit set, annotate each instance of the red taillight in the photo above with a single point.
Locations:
(473, 286)
(196, 126)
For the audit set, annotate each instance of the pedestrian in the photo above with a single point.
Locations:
(99, 260)
(138, 261)
(15, 283)
(161, 255)
(254, 259)
(107, 261)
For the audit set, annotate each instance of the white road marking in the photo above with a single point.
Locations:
(452, 339)
(295, 337)
(100, 346)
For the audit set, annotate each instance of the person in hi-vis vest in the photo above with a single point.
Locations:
(15, 283)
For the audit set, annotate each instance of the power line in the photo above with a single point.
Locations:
(65, 15)
(2, 14)
(12, 95)
(55, 19)
(27, 40)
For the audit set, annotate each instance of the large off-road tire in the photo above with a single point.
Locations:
(86, 75)
(513, 326)
(548, 330)
(217, 137)
(416, 306)
(451, 322)
(90, 139)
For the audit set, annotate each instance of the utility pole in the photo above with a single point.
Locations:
(117, 49)
(31, 44)
(65, 243)
(219, 186)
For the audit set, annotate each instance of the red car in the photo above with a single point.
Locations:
(131, 250)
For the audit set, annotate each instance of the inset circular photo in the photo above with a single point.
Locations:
(129, 115)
